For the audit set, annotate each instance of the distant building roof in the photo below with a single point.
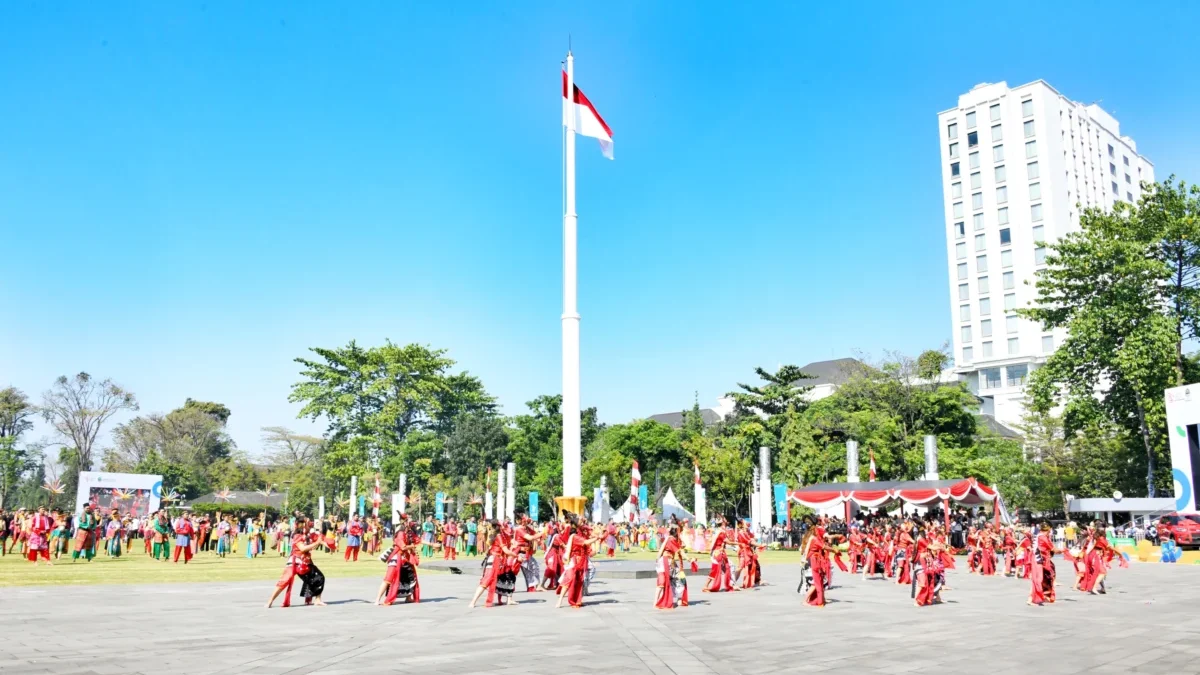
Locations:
(834, 371)
(242, 497)
(997, 427)
(675, 419)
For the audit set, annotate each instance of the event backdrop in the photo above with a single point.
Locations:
(136, 493)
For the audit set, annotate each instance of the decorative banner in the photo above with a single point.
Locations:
(353, 490)
(362, 505)
(143, 492)
(533, 506)
(397, 508)
(643, 498)
(440, 506)
(781, 504)
(403, 493)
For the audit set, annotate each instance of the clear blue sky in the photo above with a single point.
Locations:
(191, 195)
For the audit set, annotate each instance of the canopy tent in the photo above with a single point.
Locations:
(672, 507)
(627, 512)
(966, 491)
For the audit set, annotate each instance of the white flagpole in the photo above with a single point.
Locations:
(570, 317)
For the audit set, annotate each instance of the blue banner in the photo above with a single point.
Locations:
(781, 504)
(643, 499)
(362, 505)
(533, 506)
(440, 506)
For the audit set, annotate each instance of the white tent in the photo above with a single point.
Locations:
(672, 507)
(625, 513)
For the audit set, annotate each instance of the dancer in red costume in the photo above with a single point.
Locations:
(904, 554)
(672, 583)
(450, 540)
(499, 562)
(874, 562)
(610, 539)
(972, 550)
(1008, 545)
(1041, 576)
(930, 580)
(749, 572)
(298, 564)
(858, 557)
(38, 545)
(815, 551)
(401, 561)
(354, 535)
(183, 538)
(1098, 554)
(525, 541)
(943, 553)
(555, 555)
(720, 573)
(578, 545)
(987, 552)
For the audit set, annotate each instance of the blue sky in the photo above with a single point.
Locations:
(191, 195)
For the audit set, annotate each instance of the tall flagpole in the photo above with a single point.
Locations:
(570, 315)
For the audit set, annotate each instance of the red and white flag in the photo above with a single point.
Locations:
(633, 491)
(697, 465)
(587, 122)
(377, 498)
(872, 471)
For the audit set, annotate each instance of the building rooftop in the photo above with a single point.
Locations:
(675, 419)
(834, 371)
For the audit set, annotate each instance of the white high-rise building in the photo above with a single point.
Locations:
(1017, 166)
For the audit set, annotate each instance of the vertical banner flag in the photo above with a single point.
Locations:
(397, 508)
(353, 491)
(634, 495)
(533, 506)
(377, 498)
(643, 498)
(321, 507)
(586, 122)
(440, 506)
(781, 504)
(362, 505)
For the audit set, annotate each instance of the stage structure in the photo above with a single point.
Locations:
(926, 493)
(138, 494)
(1183, 420)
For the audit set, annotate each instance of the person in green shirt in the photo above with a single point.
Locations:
(427, 532)
(472, 537)
(84, 535)
(162, 537)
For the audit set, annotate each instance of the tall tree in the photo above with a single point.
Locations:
(15, 413)
(78, 408)
(535, 446)
(15, 459)
(1124, 286)
(476, 441)
(288, 449)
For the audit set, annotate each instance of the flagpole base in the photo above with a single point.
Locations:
(569, 504)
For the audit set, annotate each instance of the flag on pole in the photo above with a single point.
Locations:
(872, 472)
(377, 498)
(633, 491)
(697, 465)
(580, 112)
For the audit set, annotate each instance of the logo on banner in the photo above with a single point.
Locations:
(156, 489)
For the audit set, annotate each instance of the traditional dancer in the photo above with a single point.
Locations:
(987, 552)
(857, 555)
(874, 547)
(84, 542)
(39, 526)
(1042, 572)
(1098, 554)
(672, 581)
(749, 572)
(578, 545)
(354, 534)
(720, 573)
(496, 565)
(401, 575)
(931, 577)
(450, 540)
(183, 539)
(1008, 545)
(555, 556)
(904, 554)
(298, 563)
(525, 540)
(815, 552)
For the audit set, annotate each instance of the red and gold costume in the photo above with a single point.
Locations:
(403, 555)
(555, 554)
(818, 561)
(1042, 571)
(720, 573)
(671, 551)
(579, 549)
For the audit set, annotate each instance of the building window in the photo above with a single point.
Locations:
(1031, 170)
(953, 150)
(998, 153)
(1039, 234)
(1010, 302)
(1126, 160)
(973, 160)
(964, 334)
(985, 328)
(978, 218)
(977, 201)
(1001, 194)
(1047, 344)
(976, 180)
(1129, 197)
(1002, 216)
(1014, 346)
(985, 307)
(964, 292)
(995, 110)
(968, 354)
(997, 134)
(1026, 108)
(972, 139)
(1006, 258)
(962, 271)
(983, 285)
(980, 242)
(1127, 179)
(1016, 375)
(964, 312)
(1110, 149)
(1001, 174)
(960, 230)
(1116, 191)
(954, 173)
(981, 263)
(989, 378)
(956, 190)
(952, 131)
(1029, 129)
(1009, 280)
(1035, 191)
(1039, 255)
(1031, 149)
(960, 250)
(1035, 213)
(1112, 168)
(1005, 237)
(1010, 323)
(958, 210)
(971, 120)
(987, 349)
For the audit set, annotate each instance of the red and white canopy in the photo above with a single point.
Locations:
(967, 491)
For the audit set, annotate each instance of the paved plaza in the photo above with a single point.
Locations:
(1148, 623)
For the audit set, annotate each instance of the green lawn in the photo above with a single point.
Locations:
(139, 568)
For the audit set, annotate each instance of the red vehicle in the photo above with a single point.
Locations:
(1183, 528)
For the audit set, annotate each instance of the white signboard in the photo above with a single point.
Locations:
(1183, 418)
(138, 494)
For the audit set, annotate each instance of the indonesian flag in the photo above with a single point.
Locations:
(633, 491)
(872, 471)
(377, 498)
(580, 114)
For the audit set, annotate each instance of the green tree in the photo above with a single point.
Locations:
(535, 447)
(15, 459)
(477, 441)
(78, 408)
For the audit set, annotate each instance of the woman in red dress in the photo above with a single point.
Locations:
(1009, 546)
(720, 574)
(873, 563)
(555, 553)
(1097, 554)
(749, 573)
(904, 555)
(670, 569)
(943, 555)
(1041, 571)
(578, 545)
(857, 555)
(401, 562)
(930, 579)
(297, 564)
(972, 550)
(498, 562)
(814, 550)
(987, 552)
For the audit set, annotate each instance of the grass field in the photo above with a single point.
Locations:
(139, 568)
